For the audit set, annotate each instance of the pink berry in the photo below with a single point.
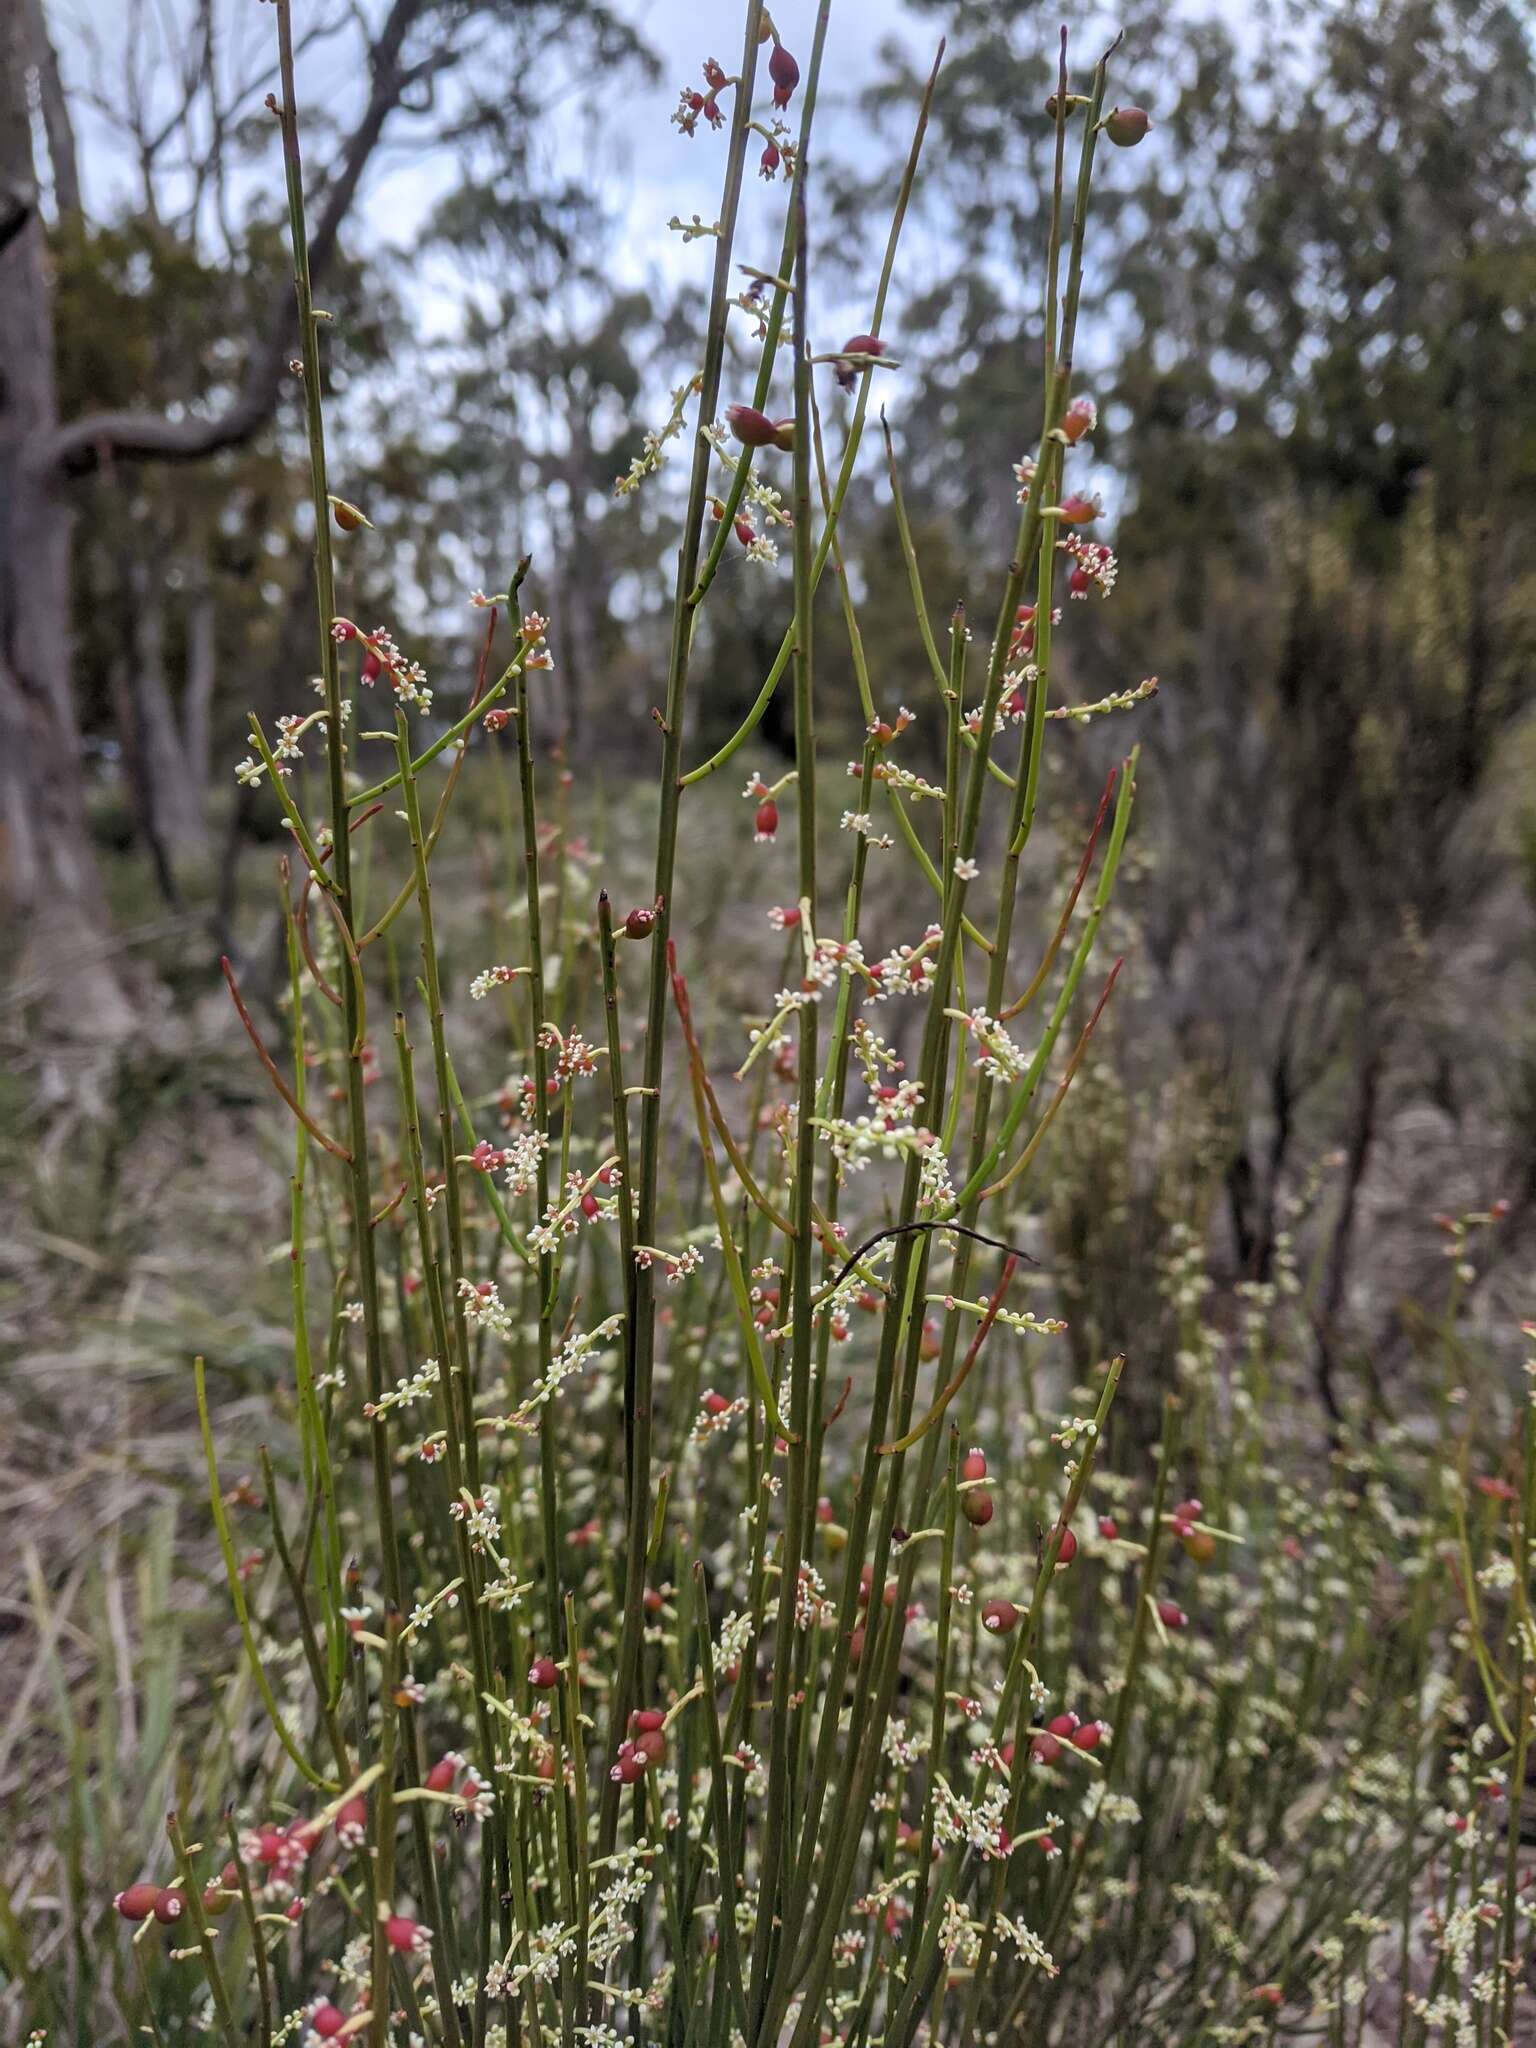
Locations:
(1088, 1736)
(974, 1465)
(404, 1935)
(1063, 1724)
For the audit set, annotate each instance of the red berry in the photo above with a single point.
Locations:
(767, 820)
(869, 345)
(327, 2020)
(589, 1205)
(137, 1902)
(169, 1906)
(639, 924)
(976, 1506)
(1109, 1528)
(825, 1512)
(652, 1745)
(715, 1404)
(646, 1721)
(629, 1765)
(371, 669)
(856, 1644)
(1067, 1548)
(999, 1617)
(1126, 126)
(974, 1465)
(1079, 419)
(753, 429)
(1088, 1736)
(442, 1774)
(543, 1674)
(1190, 1510)
(785, 73)
(1171, 1614)
(1063, 1725)
(403, 1934)
(352, 1823)
(1045, 1749)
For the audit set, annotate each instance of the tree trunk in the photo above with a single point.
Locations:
(175, 795)
(46, 862)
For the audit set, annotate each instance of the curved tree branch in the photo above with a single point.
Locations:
(80, 447)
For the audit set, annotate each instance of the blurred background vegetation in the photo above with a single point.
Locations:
(1313, 350)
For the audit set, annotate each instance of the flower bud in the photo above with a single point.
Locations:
(784, 72)
(496, 718)
(1126, 126)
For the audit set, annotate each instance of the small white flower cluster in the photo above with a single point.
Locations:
(653, 447)
(414, 1387)
(862, 823)
(1117, 700)
(976, 1823)
(493, 977)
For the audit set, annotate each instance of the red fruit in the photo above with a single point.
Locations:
(1006, 1753)
(169, 1906)
(1109, 1528)
(973, 1465)
(651, 1600)
(1126, 126)
(1268, 1994)
(767, 820)
(1077, 510)
(137, 1902)
(1045, 1749)
(495, 720)
(1171, 1614)
(352, 1823)
(715, 1404)
(976, 1506)
(1063, 1725)
(1048, 1846)
(371, 669)
(1190, 1510)
(403, 1934)
(646, 1721)
(269, 1845)
(1088, 1736)
(543, 1674)
(1000, 1617)
(1495, 1489)
(327, 2020)
(1080, 418)
(1079, 583)
(785, 73)
(1067, 1549)
(869, 345)
(629, 1765)
(768, 162)
(295, 1909)
(753, 429)
(1200, 1544)
(442, 1774)
(589, 1205)
(856, 1644)
(825, 1511)
(639, 924)
(652, 1745)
